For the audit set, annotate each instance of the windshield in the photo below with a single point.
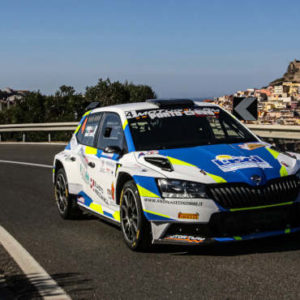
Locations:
(184, 127)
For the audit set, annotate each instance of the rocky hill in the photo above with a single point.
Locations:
(292, 74)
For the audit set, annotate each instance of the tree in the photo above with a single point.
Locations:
(65, 91)
(31, 109)
(139, 93)
(109, 93)
(67, 105)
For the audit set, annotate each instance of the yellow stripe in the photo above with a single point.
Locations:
(125, 124)
(146, 193)
(283, 171)
(216, 178)
(90, 150)
(87, 113)
(273, 152)
(77, 129)
(116, 215)
(96, 207)
(155, 213)
(175, 161)
(260, 207)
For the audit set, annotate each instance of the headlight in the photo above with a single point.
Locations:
(171, 188)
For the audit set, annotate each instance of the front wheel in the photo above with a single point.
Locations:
(135, 227)
(66, 203)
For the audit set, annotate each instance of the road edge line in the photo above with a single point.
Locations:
(35, 143)
(25, 163)
(39, 278)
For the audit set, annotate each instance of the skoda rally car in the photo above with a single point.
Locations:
(177, 172)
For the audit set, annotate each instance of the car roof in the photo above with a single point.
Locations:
(121, 108)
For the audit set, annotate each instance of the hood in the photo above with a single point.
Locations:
(252, 163)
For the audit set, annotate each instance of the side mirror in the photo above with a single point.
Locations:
(113, 149)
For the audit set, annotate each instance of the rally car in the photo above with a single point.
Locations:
(178, 172)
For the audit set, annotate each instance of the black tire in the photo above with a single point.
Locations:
(66, 203)
(135, 227)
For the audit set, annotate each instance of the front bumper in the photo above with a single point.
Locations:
(192, 240)
(231, 226)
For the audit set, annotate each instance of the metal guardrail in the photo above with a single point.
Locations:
(38, 127)
(264, 131)
(276, 131)
(63, 126)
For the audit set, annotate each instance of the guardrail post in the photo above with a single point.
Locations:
(23, 137)
(49, 137)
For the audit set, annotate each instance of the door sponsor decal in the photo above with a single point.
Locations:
(111, 192)
(97, 189)
(107, 166)
(84, 174)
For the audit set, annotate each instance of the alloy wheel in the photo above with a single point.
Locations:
(61, 193)
(129, 216)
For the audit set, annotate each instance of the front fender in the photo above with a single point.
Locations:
(63, 160)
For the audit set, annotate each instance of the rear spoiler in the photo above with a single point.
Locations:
(92, 105)
(168, 103)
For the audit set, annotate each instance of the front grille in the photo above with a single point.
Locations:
(239, 195)
(261, 220)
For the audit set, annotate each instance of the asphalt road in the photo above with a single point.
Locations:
(90, 261)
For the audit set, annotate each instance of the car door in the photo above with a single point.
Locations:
(110, 138)
(87, 151)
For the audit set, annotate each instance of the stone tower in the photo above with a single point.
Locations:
(292, 74)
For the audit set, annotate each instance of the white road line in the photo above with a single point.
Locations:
(34, 143)
(25, 163)
(46, 286)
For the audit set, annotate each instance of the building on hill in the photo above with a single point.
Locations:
(9, 97)
(278, 103)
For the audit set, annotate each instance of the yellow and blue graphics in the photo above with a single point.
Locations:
(231, 162)
(85, 200)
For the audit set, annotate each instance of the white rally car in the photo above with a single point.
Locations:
(177, 171)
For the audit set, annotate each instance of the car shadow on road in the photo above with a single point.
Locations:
(284, 243)
(24, 287)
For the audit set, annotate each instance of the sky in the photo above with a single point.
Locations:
(191, 48)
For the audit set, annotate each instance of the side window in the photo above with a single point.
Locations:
(87, 132)
(111, 133)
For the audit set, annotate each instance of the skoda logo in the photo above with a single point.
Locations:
(256, 179)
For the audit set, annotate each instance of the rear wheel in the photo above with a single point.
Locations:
(135, 227)
(66, 203)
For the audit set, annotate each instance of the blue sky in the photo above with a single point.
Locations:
(180, 48)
